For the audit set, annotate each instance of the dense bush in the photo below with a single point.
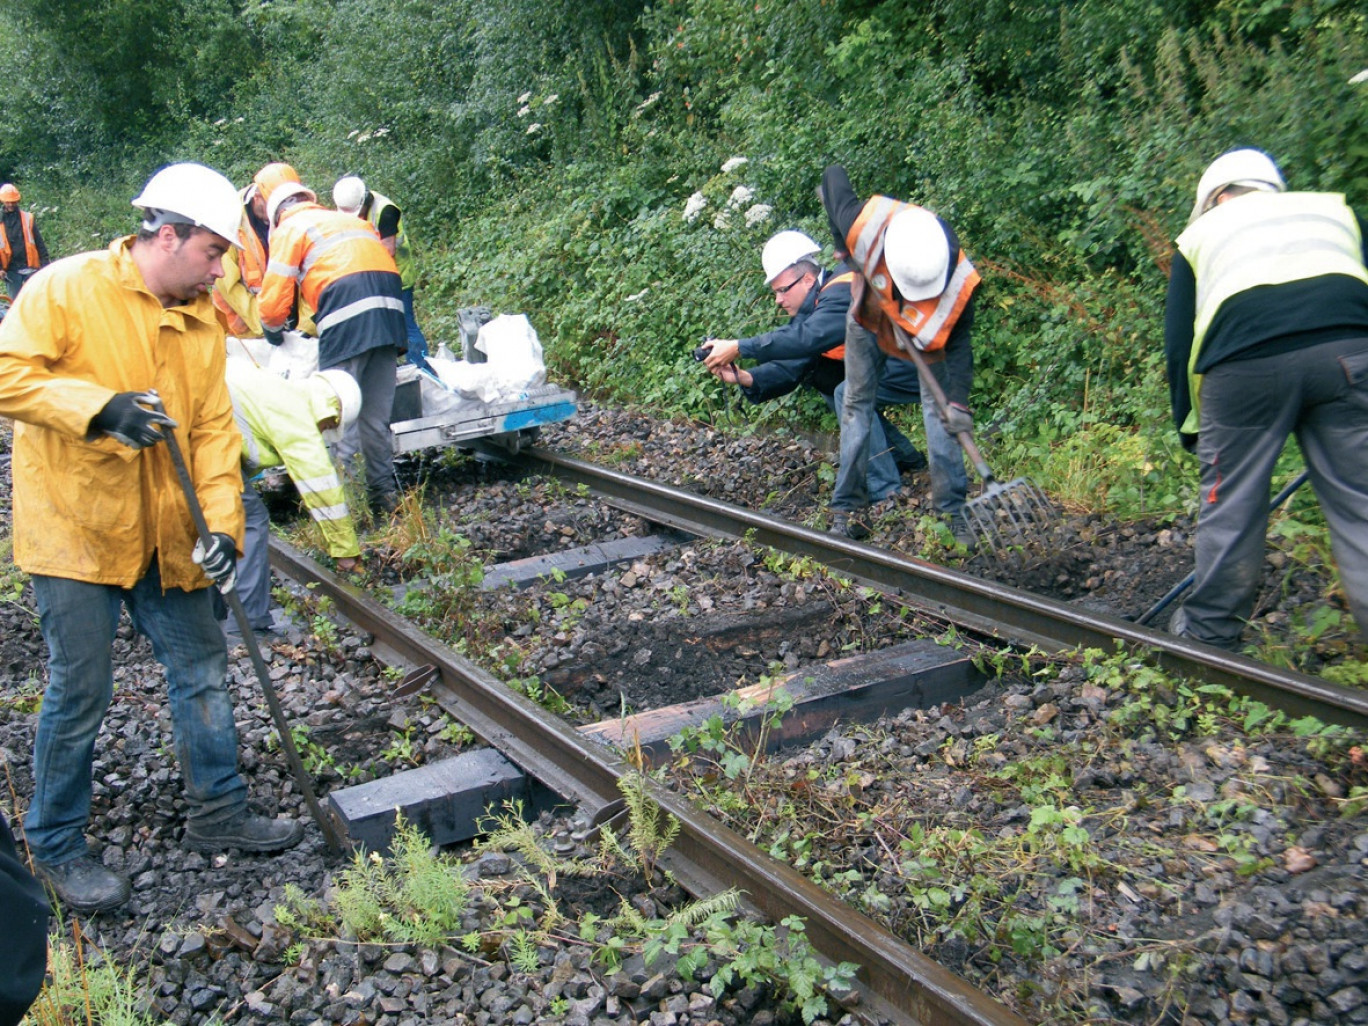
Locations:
(546, 153)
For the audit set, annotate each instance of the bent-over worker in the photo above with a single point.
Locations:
(911, 275)
(288, 423)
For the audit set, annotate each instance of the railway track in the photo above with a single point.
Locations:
(897, 983)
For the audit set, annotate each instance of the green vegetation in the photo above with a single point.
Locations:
(546, 154)
(82, 986)
(419, 896)
(1033, 887)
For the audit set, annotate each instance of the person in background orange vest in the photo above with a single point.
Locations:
(336, 263)
(235, 294)
(22, 250)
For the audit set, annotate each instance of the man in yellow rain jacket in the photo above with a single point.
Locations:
(287, 423)
(101, 520)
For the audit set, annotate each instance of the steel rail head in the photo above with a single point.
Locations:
(707, 857)
(985, 605)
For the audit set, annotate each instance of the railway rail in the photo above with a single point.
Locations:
(896, 982)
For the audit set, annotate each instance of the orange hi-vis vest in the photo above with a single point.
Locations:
(928, 321)
(836, 352)
(30, 244)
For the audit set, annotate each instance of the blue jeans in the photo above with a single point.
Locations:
(417, 341)
(254, 568)
(78, 620)
(881, 466)
(15, 280)
(862, 438)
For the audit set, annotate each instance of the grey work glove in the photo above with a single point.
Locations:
(275, 336)
(126, 419)
(218, 561)
(957, 419)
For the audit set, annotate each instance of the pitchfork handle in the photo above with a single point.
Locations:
(930, 384)
(325, 822)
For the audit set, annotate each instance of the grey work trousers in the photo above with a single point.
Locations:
(1249, 408)
(374, 371)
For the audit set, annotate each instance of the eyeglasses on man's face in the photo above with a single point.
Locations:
(783, 290)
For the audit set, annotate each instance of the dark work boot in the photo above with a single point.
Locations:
(912, 463)
(247, 832)
(851, 525)
(83, 885)
(384, 504)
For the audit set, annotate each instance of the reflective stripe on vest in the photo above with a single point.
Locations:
(403, 253)
(1264, 238)
(929, 322)
(30, 244)
(251, 257)
(848, 277)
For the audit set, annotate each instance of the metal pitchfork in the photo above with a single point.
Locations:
(1018, 506)
(321, 817)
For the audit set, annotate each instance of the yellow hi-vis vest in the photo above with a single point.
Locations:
(1264, 238)
(928, 321)
(403, 251)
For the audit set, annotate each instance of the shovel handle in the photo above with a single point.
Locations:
(287, 745)
(1186, 583)
(930, 384)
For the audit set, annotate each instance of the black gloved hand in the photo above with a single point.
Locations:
(218, 561)
(957, 419)
(126, 419)
(275, 336)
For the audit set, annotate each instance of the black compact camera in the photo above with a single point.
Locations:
(701, 353)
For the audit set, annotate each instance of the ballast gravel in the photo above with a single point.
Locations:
(1283, 945)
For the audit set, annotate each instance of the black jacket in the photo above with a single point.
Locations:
(791, 355)
(23, 939)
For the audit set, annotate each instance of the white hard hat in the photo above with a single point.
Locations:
(917, 252)
(283, 192)
(783, 251)
(195, 194)
(1251, 168)
(334, 393)
(349, 194)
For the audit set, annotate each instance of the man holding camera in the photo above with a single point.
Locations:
(809, 350)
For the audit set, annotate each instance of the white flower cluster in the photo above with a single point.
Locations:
(356, 135)
(525, 108)
(694, 207)
(741, 196)
(758, 213)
